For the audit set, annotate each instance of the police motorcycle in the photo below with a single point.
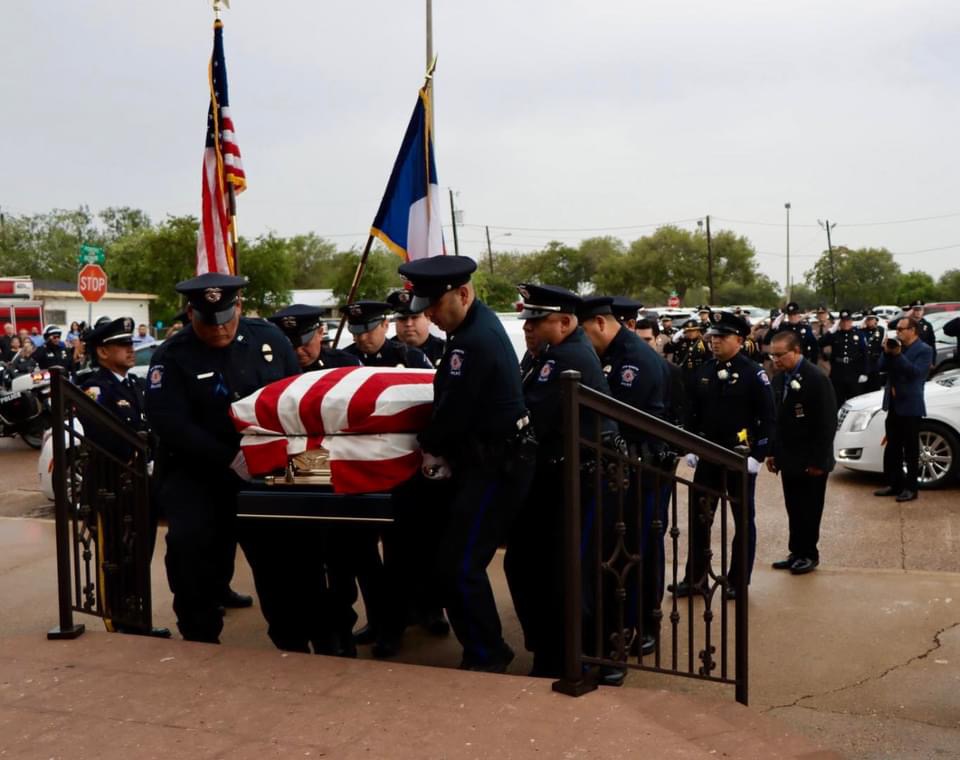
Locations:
(24, 404)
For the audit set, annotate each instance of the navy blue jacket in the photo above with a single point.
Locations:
(635, 374)
(806, 420)
(906, 374)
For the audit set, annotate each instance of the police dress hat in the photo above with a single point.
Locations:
(113, 332)
(792, 308)
(726, 323)
(870, 313)
(435, 275)
(298, 322)
(702, 309)
(542, 300)
(400, 301)
(918, 304)
(363, 316)
(625, 308)
(845, 314)
(213, 295)
(594, 306)
(52, 330)
(691, 324)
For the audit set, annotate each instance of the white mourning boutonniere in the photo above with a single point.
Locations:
(795, 384)
(728, 377)
(723, 374)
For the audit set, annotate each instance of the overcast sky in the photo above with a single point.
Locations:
(569, 119)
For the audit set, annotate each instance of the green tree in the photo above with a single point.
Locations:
(864, 277)
(948, 286)
(119, 221)
(495, 290)
(313, 261)
(269, 265)
(761, 292)
(915, 285)
(379, 277)
(807, 298)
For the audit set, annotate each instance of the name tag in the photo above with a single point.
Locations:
(204, 375)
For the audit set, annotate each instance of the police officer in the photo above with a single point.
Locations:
(53, 353)
(480, 439)
(732, 396)
(303, 326)
(704, 312)
(367, 322)
(533, 562)
(872, 334)
(846, 349)
(113, 387)
(413, 327)
(794, 322)
(915, 311)
(689, 353)
(625, 311)
(194, 376)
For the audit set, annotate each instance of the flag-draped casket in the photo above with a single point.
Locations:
(365, 418)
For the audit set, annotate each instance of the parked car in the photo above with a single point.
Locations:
(945, 346)
(886, 313)
(144, 354)
(940, 306)
(860, 432)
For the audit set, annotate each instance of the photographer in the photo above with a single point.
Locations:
(906, 359)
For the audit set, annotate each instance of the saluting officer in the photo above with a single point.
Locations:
(413, 327)
(478, 437)
(306, 330)
(534, 562)
(53, 353)
(794, 323)
(194, 376)
(367, 322)
(732, 395)
(873, 335)
(846, 349)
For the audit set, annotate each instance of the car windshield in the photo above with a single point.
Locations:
(937, 321)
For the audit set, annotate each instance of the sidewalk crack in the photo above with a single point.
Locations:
(916, 658)
(903, 538)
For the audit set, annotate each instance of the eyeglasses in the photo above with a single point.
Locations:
(778, 354)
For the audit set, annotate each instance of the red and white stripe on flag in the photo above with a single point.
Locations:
(214, 246)
(365, 417)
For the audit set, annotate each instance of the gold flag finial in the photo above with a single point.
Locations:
(217, 6)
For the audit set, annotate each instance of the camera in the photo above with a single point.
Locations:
(893, 343)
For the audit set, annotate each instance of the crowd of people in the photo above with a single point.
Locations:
(492, 453)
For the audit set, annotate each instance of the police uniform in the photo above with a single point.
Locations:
(873, 337)
(53, 354)
(364, 316)
(432, 347)
(479, 429)
(533, 562)
(848, 360)
(924, 328)
(300, 322)
(808, 341)
(625, 309)
(729, 397)
(190, 388)
(704, 313)
(689, 354)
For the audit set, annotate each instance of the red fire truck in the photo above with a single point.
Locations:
(17, 305)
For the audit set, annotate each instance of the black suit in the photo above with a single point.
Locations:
(806, 425)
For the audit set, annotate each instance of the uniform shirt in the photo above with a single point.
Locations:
(848, 353)
(635, 374)
(689, 355)
(432, 348)
(808, 341)
(874, 342)
(333, 357)
(751, 348)
(190, 387)
(476, 391)
(543, 391)
(391, 354)
(48, 356)
(124, 399)
(729, 397)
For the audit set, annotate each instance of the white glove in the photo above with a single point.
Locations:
(753, 466)
(435, 468)
(862, 379)
(239, 466)
(691, 460)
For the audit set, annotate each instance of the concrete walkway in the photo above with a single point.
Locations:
(861, 661)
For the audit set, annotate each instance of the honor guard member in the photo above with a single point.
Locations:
(194, 376)
(625, 311)
(533, 563)
(873, 335)
(666, 326)
(703, 313)
(915, 311)
(113, 387)
(794, 323)
(689, 353)
(306, 330)
(480, 438)
(846, 350)
(367, 322)
(413, 327)
(53, 353)
(732, 405)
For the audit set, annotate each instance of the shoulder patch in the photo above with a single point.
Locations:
(628, 373)
(456, 362)
(93, 392)
(546, 370)
(156, 376)
(762, 375)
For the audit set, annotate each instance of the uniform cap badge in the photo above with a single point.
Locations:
(213, 295)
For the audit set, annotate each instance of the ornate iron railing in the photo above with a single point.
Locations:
(604, 589)
(104, 532)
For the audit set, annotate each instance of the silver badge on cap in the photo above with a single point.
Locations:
(267, 350)
(403, 297)
(213, 295)
(355, 310)
(128, 325)
(289, 323)
(524, 293)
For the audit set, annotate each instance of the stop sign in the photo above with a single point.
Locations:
(92, 283)
(673, 302)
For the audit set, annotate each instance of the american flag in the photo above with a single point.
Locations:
(367, 418)
(222, 171)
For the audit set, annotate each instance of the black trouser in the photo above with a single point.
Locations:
(710, 476)
(354, 559)
(903, 448)
(845, 385)
(482, 510)
(803, 496)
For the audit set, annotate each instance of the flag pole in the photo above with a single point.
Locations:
(353, 287)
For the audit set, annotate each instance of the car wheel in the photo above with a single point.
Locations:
(939, 452)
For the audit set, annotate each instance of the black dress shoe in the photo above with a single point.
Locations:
(435, 623)
(888, 491)
(498, 664)
(365, 635)
(385, 647)
(235, 601)
(683, 588)
(784, 564)
(647, 644)
(906, 495)
(730, 592)
(608, 676)
(803, 566)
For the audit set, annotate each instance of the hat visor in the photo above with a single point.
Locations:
(419, 304)
(534, 314)
(301, 339)
(217, 317)
(118, 340)
(720, 330)
(360, 329)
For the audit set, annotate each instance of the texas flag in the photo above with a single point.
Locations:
(409, 221)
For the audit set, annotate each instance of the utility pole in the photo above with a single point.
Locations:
(787, 207)
(833, 269)
(710, 261)
(430, 60)
(453, 219)
(489, 249)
